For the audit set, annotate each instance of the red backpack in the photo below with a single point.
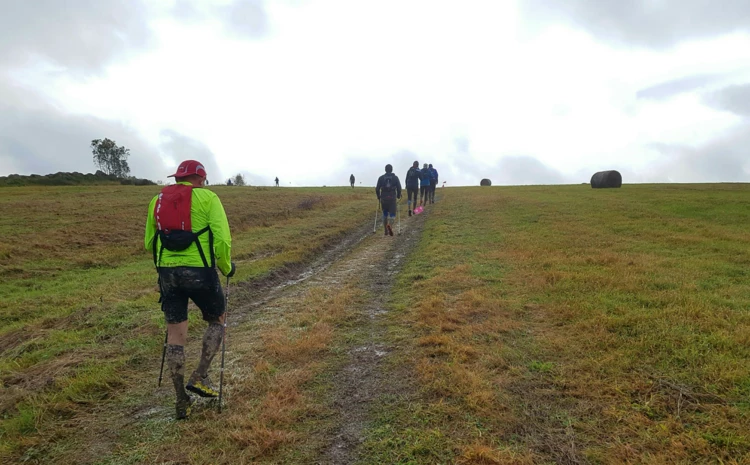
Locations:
(173, 223)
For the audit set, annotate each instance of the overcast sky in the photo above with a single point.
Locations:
(521, 92)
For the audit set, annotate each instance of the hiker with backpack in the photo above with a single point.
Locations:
(188, 233)
(412, 185)
(277, 181)
(433, 182)
(351, 180)
(424, 185)
(388, 191)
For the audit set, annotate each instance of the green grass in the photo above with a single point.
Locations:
(602, 325)
(539, 324)
(79, 310)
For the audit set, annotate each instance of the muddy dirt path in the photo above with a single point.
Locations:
(369, 261)
(363, 378)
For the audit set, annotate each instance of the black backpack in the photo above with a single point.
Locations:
(412, 175)
(388, 189)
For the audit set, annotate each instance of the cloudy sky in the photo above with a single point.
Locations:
(520, 91)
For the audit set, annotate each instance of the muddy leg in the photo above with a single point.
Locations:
(211, 345)
(176, 363)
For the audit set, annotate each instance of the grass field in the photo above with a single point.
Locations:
(571, 325)
(540, 324)
(79, 310)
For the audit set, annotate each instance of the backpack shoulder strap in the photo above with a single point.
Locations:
(210, 246)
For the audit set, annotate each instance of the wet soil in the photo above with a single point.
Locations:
(363, 378)
(370, 262)
(246, 297)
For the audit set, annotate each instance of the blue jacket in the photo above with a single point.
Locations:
(424, 176)
(434, 175)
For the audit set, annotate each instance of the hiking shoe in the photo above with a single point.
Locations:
(183, 407)
(390, 230)
(409, 212)
(201, 386)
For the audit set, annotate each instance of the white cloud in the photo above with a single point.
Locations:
(330, 87)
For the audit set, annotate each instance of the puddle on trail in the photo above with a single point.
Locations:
(148, 413)
(378, 351)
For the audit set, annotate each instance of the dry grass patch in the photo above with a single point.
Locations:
(299, 344)
(482, 454)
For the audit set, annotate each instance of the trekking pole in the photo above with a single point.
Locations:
(223, 343)
(398, 213)
(163, 356)
(375, 225)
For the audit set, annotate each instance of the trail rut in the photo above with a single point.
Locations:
(371, 262)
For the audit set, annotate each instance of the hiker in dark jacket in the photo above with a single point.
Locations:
(424, 185)
(351, 181)
(433, 182)
(388, 191)
(412, 185)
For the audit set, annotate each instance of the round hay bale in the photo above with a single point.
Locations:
(485, 182)
(606, 179)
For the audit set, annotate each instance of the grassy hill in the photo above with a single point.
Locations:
(541, 324)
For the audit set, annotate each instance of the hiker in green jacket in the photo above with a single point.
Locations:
(188, 233)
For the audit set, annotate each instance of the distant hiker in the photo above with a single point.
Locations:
(229, 182)
(433, 182)
(277, 181)
(188, 233)
(412, 185)
(351, 180)
(424, 184)
(388, 191)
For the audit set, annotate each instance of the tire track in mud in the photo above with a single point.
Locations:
(362, 379)
(371, 262)
(250, 296)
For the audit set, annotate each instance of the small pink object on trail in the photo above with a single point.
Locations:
(418, 210)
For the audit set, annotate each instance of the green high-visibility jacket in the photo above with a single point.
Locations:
(205, 210)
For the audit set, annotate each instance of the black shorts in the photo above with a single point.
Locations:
(389, 207)
(181, 283)
(412, 192)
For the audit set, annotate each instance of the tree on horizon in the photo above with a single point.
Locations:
(110, 158)
(239, 179)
